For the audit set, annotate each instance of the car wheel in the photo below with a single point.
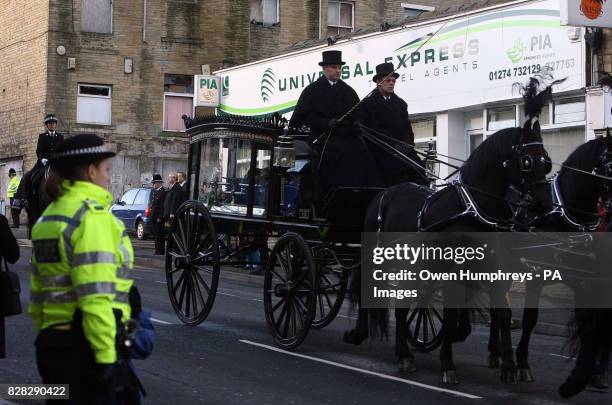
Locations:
(140, 230)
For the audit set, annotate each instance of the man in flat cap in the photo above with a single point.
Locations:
(385, 112)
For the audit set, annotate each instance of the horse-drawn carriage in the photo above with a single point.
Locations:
(250, 186)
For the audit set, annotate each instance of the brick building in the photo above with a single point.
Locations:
(123, 69)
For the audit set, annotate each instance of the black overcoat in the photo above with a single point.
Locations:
(157, 204)
(343, 158)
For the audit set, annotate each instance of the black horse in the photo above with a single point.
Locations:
(576, 194)
(513, 157)
(31, 190)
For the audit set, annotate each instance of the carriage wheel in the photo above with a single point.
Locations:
(192, 263)
(332, 283)
(290, 290)
(425, 322)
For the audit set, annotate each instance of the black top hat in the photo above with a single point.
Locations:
(12, 171)
(332, 58)
(383, 70)
(157, 178)
(79, 149)
(49, 118)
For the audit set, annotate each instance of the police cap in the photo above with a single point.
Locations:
(80, 149)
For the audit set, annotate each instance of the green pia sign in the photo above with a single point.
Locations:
(207, 91)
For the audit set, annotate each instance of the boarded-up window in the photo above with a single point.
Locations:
(97, 16)
(178, 100)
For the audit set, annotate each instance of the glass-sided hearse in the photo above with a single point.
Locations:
(252, 184)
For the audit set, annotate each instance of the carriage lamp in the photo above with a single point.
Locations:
(284, 152)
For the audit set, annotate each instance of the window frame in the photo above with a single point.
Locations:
(175, 94)
(262, 22)
(338, 27)
(112, 6)
(109, 97)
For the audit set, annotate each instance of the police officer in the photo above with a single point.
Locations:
(385, 112)
(157, 213)
(13, 185)
(48, 140)
(82, 260)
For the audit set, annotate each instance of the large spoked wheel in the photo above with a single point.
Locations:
(332, 281)
(290, 291)
(425, 321)
(192, 263)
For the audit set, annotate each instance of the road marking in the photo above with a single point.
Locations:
(562, 356)
(161, 282)
(345, 366)
(229, 295)
(160, 321)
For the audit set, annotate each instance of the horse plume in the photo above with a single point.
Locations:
(537, 92)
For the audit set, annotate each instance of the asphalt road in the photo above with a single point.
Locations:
(231, 359)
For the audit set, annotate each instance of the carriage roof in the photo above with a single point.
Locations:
(261, 129)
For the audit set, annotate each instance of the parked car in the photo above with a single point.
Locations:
(134, 209)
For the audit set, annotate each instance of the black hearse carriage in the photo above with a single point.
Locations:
(252, 184)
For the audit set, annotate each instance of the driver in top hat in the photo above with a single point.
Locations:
(343, 160)
(385, 112)
(325, 100)
(47, 141)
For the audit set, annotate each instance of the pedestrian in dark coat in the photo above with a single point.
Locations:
(385, 112)
(157, 213)
(173, 198)
(9, 251)
(343, 156)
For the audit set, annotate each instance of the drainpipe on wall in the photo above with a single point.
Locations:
(144, 22)
(320, 16)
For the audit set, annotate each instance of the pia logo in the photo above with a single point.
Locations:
(515, 54)
(268, 80)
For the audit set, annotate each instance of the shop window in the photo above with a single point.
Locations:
(265, 12)
(178, 100)
(340, 17)
(559, 143)
(501, 117)
(97, 16)
(569, 110)
(94, 104)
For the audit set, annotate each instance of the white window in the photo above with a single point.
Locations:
(94, 104)
(178, 101)
(423, 128)
(97, 16)
(413, 10)
(559, 143)
(265, 11)
(501, 117)
(340, 17)
(569, 110)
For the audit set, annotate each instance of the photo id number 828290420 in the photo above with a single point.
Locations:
(34, 391)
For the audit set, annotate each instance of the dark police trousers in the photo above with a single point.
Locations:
(14, 213)
(62, 359)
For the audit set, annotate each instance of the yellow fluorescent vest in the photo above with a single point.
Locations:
(13, 185)
(81, 258)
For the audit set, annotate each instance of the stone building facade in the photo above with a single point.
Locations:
(119, 69)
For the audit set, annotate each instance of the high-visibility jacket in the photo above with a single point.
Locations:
(81, 258)
(13, 185)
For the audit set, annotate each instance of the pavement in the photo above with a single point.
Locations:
(231, 358)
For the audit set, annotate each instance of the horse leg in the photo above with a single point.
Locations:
(494, 353)
(508, 368)
(357, 335)
(402, 351)
(585, 362)
(530, 319)
(449, 325)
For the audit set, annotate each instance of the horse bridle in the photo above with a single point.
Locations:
(526, 164)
